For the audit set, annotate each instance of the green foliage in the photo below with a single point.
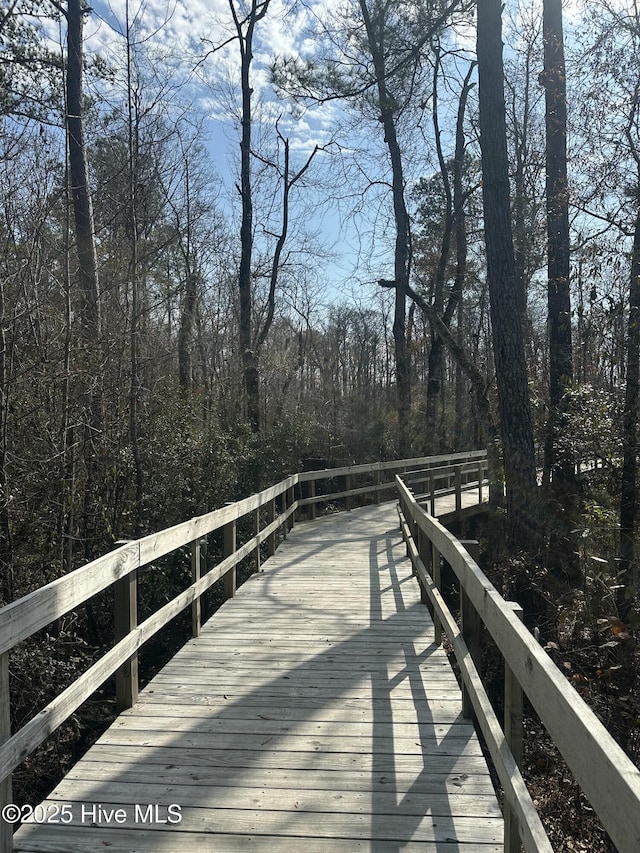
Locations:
(43, 667)
(30, 77)
(592, 429)
(193, 464)
(350, 48)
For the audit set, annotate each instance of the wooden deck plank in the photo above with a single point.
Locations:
(330, 799)
(437, 711)
(375, 746)
(313, 712)
(243, 760)
(333, 780)
(300, 824)
(74, 839)
(301, 728)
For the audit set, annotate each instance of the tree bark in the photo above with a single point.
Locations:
(455, 223)
(79, 172)
(93, 520)
(185, 332)
(245, 289)
(401, 261)
(629, 485)
(514, 406)
(559, 458)
(6, 535)
(134, 344)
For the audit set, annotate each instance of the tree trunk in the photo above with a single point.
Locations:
(93, 520)
(134, 345)
(249, 357)
(402, 238)
(460, 430)
(522, 236)
(185, 333)
(455, 223)
(629, 486)
(560, 461)
(67, 478)
(514, 406)
(6, 536)
(82, 207)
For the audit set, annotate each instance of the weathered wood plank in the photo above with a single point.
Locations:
(313, 711)
(275, 798)
(6, 787)
(281, 661)
(285, 707)
(394, 465)
(29, 614)
(243, 760)
(326, 744)
(531, 829)
(74, 840)
(332, 780)
(277, 701)
(614, 791)
(302, 825)
(435, 710)
(307, 728)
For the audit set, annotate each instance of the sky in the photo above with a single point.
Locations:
(188, 36)
(182, 34)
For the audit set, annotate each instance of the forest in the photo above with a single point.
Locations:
(250, 237)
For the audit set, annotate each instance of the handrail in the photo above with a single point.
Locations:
(609, 779)
(24, 617)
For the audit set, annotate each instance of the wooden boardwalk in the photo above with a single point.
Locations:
(314, 713)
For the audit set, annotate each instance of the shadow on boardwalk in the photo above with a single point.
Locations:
(300, 720)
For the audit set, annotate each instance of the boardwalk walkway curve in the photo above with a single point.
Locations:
(314, 711)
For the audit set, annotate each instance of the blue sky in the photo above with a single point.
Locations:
(179, 33)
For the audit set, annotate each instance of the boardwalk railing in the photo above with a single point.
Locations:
(608, 778)
(271, 511)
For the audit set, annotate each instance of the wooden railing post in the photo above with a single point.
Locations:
(293, 518)
(480, 479)
(347, 487)
(414, 530)
(458, 488)
(471, 628)
(229, 548)
(256, 530)
(312, 506)
(424, 550)
(436, 572)
(271, 516)
(285, 523)
(6, 790)
(125, 593)
(288, 498)
(196, 605)
(513, 706)
(432, 494)
(376, 480)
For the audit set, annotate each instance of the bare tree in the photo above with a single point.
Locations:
(245, 24)
(383, 47)
(87, 268)
(514, 406)
(79, 174)
(559, 456)
(612, 199)
(454, 230)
